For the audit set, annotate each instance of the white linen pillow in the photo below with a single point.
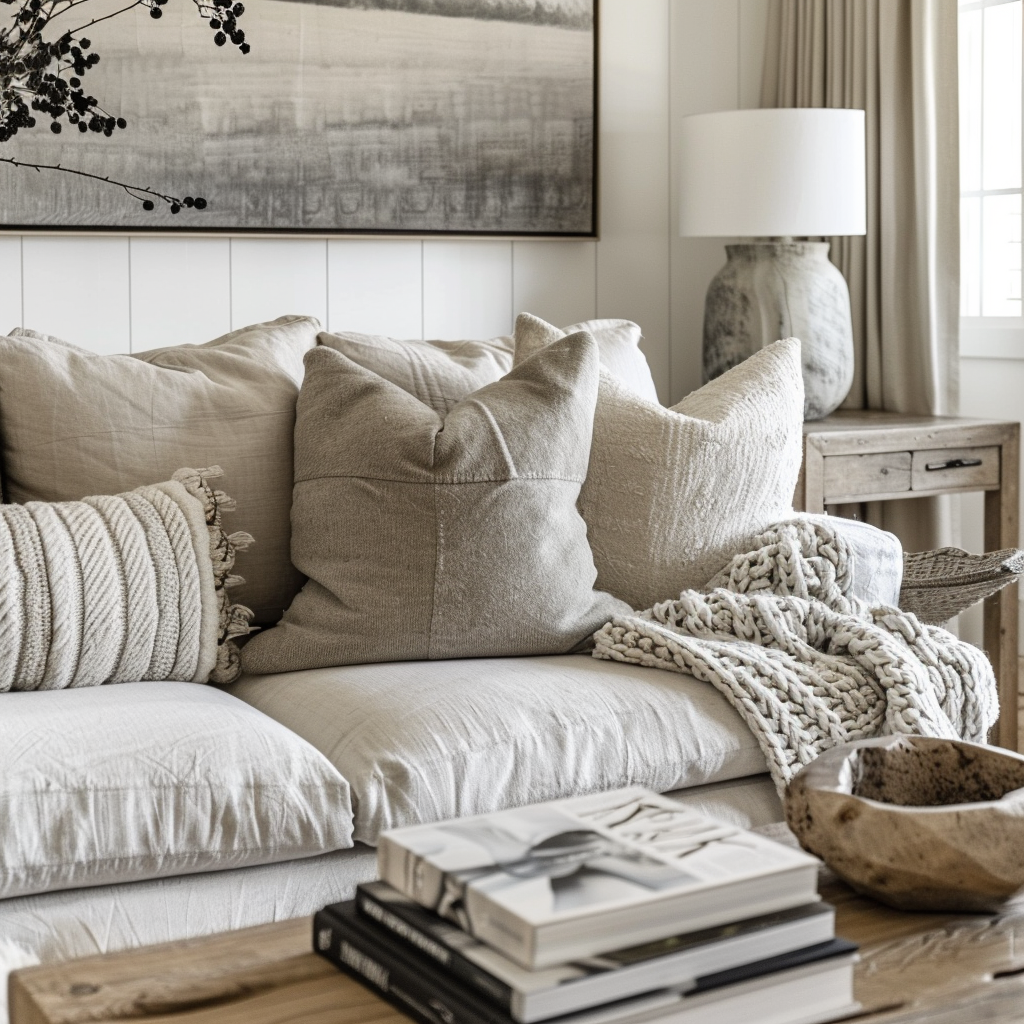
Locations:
(672, 494)
(618, 344)
(118, 783)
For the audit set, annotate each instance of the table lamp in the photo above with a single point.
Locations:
(773, 175)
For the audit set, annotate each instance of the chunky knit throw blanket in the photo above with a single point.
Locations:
(806, 665)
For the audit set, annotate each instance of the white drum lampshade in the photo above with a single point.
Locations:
(777, 174)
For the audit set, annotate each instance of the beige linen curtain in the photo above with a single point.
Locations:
(896, 60)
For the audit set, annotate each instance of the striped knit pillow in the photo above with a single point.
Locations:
(117, 589)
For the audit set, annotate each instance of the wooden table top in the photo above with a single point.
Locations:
(943, 969)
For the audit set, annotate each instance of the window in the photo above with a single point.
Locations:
(990, 175)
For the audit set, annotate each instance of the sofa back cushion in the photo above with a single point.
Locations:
(120, 783)
(442, 373)
(672, 494)
(429, 536)
(438, 373)
(74, 423)
(617, 340)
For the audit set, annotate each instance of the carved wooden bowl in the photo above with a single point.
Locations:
(917, 823)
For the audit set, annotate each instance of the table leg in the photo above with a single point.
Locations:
(812, 480)
(1002, 531)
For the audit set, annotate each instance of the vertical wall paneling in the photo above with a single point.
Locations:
(705, 78)
(633, 253)
(272, 277)
(376, 287)
(556, 281)
(10, 282)
(78, 289)
(181, 291)
(467, 289)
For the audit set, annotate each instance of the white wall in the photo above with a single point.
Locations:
(119, 294)
(989, 389)
(717, 56)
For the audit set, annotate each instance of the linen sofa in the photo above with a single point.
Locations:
(159, 810)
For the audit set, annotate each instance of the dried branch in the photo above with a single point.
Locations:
(44, 76)
(146, 196)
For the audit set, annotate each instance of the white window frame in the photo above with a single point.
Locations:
(991, 337)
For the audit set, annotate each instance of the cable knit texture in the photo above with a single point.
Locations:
(115, 589)
(807, 665)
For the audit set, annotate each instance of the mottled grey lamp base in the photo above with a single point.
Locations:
(772, 290)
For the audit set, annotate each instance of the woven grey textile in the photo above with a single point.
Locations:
(940, 584)
(806, 665)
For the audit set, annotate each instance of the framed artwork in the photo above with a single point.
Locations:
(468, 117)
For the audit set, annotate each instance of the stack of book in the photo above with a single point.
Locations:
(612, 909)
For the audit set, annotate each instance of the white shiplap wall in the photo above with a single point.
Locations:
(659, 59)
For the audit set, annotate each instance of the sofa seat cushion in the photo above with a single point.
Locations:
(427, 740)
(118, 783)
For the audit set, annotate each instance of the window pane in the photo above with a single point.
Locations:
(970, 101)
(1002, 96)
(970, 257)
(1001, 256)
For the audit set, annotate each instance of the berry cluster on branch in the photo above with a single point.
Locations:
(43, 63)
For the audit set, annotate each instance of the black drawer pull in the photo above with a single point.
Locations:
(952, 464)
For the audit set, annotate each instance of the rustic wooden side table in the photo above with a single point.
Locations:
(880, 456)
(914, 968)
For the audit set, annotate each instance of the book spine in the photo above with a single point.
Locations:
(414, 992)
(422, 881)
(425, 945)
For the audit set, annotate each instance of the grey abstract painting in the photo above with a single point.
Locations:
(415, 116)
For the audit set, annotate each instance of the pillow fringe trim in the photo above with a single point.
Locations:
(234, 619)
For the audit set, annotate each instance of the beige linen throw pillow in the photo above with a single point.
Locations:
(429, 536)
(73, 423)
(672, 494)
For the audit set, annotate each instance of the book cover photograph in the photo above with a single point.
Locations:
(578, 857)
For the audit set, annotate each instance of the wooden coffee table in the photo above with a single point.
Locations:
(914, 968)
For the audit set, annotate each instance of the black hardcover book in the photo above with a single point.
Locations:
(416, 984)
(373, 956)
(680, 961)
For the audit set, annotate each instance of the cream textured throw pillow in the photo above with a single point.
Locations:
(74, 423)
(439, 537)
(438, 373)
(672, 494)
(119, 589)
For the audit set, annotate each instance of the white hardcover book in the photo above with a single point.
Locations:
(560, 881)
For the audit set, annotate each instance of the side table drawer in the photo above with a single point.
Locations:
(852, 477)
(971, 469)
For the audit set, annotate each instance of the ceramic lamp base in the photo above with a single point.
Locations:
(772, 290)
